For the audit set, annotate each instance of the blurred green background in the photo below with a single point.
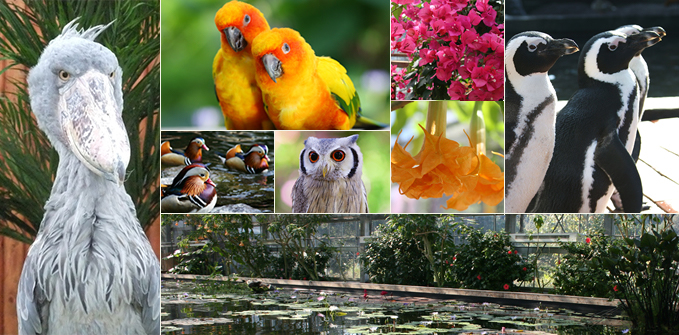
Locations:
(354, 32)
(458, 117)
(376, 166)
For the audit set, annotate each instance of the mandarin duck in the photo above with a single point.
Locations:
(192, 154)
(191, 191)
(256, 160)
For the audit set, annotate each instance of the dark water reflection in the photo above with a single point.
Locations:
(185, 313)
(662, 60)
(234, 188)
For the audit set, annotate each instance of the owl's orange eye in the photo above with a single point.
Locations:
(313, 157)
(338, 155)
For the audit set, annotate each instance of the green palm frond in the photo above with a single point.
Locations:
(27, 161)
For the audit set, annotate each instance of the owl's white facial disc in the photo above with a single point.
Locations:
(331, 158)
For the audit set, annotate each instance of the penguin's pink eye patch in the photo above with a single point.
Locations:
(533, 43)
(613, 45)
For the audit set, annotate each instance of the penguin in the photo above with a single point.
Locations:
(530, 110)
(596, 130)
(640, 69)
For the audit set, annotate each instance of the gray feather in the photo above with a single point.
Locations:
(91, 269)
(341, 189)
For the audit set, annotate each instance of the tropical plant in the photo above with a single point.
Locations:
(303, 253)
(454, 48)
(645, 276)
(27, 161)
(579, 272)
(487, 261)
(200, 261)
(392, 256)
(464, 175)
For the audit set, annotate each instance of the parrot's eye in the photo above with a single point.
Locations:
(313, 157)
(63, 75)
(338, 155)
(246, 20)
(285, 48)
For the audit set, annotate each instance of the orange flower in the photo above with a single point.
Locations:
(444, 167)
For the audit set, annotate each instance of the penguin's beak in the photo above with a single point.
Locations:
(658, 30)
(273, 66)
(235, 38)
(643, 40)
(92, 125)
(561, 47)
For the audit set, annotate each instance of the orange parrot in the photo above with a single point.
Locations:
(233, 69)
(300, 90)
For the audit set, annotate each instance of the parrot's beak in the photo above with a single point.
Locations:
(235, 39)
(273, 66)
(91, 121)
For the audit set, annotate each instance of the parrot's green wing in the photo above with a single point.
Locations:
(340, 85)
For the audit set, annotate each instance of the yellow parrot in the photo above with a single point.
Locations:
(300, 90)
(233, 69)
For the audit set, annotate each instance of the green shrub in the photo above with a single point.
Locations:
(394, 257)
(487, 261)
(307, 266)
(201, 261)
(579, 271)
(646, 280)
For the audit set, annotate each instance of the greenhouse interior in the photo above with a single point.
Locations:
(420, 274)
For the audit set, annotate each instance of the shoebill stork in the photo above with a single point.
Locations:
(91, 269)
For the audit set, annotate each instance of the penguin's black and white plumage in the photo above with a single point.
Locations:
(530, 109)
(640, 69)
(596, 130)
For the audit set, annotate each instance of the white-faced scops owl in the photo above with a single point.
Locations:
(329, 180)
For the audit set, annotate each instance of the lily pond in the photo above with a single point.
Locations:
(238, 192)
(301, 311)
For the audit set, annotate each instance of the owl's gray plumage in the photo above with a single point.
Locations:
(327, 184)
(91, 269)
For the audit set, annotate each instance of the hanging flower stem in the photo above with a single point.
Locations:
(436, 118)
(478, 128)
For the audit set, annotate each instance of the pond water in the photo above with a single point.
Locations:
(237, 191)
(313, 312)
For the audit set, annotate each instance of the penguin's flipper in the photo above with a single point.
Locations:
(637, 148)
(612, 156)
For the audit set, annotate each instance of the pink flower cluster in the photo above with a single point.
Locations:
(397, 80)
(437, 32)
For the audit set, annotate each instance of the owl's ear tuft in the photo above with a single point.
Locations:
(353, 138)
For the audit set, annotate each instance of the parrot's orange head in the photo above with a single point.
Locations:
(282, 51)
(239, 23)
